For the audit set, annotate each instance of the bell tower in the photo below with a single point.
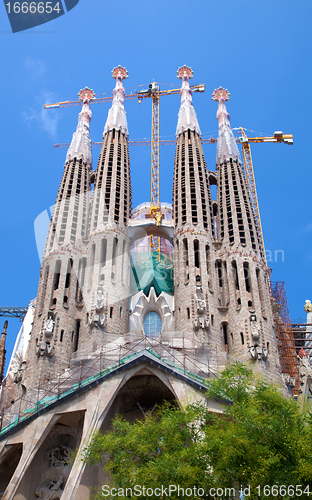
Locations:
(194, 230)
(108, 275)
(60, 307)
(246, 323)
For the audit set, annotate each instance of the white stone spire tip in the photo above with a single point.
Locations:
(226, 143)
(187, 118)
(80, 146)
(116, 118)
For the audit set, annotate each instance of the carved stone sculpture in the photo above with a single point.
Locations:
(258, 352)
(255, 328)
(98, 320)
(200, 301)
(100, 299)
(18, 375)
(58, 457)
(308, 306)
(53, 491)
(49, 327)
(201, 322)
(44, 349)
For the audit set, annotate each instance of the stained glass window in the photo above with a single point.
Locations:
(152, 325)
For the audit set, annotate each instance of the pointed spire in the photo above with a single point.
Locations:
(2, 350)
(80, 146)
(187, 118)
(116, 118)
(226, 144)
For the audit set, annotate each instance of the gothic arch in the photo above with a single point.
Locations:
(140, 393)
(50, 465)
(8, 463)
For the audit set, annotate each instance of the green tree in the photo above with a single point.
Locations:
(266, 439)
(261, 440)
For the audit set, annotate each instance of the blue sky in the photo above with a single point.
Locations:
(259, 51)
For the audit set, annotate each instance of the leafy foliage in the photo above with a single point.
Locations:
(262, 438)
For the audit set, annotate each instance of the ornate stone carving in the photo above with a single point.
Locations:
(17, 368)
(53, 491)
(49, 327)
(201, 322)
(99, 299)
(305, 371)
(98, 320)
(49, 350)
(258, 352)
(200, 300)
(58, 457)
(255, 328)
(290, 381)
(308, 306)
(18, 375)
(44, 349)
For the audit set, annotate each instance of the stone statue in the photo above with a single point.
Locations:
(49, 350)
(308, 306)
(59, 456)
(255, 328)
(44, 349)
(98, 320)
(49, 327)
(100, 299)
(158, 217)
(41, 349)
(200, 301)
(258, 352)
(53, 491)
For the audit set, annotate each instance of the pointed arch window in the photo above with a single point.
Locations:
(152, 325)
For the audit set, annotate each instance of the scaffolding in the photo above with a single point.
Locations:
(177, 351)
(302, 333)
(285, 336)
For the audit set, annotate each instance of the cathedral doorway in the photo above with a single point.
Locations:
(138, 396)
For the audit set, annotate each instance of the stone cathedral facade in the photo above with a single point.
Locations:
(118, 331)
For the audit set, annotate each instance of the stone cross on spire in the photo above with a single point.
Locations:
(116, 118)
(226, 144)
(187, 118)
(80, 146)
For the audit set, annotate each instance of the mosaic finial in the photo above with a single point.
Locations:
(121, 72)
(219, 93)
(185, 72)
(86, 95)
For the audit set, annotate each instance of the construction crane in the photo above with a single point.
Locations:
(20, 312)
(251, 184)
(287, 138)
(153, 91)
(245, 141)
(13, 312)
(143, 142)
